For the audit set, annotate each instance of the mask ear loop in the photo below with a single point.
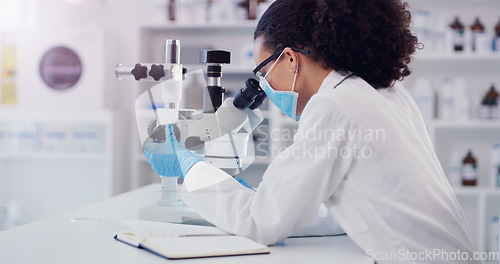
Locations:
(274, 64)
(296, 72)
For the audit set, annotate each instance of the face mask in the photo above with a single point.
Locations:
(286, 101)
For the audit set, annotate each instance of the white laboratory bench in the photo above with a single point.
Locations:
(61, 239)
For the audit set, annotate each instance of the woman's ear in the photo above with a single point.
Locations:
(291, 58)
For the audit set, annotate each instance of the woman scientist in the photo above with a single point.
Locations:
(361, 148)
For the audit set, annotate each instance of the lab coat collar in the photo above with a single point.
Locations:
(333, 78)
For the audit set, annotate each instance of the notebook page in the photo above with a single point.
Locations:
(145, 229)
(204, 246)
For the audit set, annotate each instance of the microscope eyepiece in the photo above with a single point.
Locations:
(258, 101)
(251, 96)
(215, 56)
(214, 71)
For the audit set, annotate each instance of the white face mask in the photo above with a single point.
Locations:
(286, 101)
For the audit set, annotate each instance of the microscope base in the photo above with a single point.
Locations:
(172, 214)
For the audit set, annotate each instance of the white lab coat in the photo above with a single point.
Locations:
(393, 200)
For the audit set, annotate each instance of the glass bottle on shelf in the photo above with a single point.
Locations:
(171, 10)
(458, 30)
(478, 36)
(495, 165)
(252, 9)
(498, 178)
(425, 95)
(469, 170)
(251, 6)
(489, 105)
(496, 38)
(446, 101)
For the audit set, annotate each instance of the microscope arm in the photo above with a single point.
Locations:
(227, 119)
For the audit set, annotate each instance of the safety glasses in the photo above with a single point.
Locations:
(257, 69)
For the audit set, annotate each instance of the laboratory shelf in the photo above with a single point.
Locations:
(452, 2)
(476, 190)
(234, 24)
(458, 57)
(469, 124)
(477, 206)
(45, 114)
(55, 155)
(465, 6)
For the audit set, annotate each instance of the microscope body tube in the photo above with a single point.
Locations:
(173, 51)
(213, 95)
(172, 88)
(169, 192)
(171, 95)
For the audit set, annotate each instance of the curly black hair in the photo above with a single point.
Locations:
(370, 38)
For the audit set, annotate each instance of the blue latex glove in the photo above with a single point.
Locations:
(170, 158)
(244, 183)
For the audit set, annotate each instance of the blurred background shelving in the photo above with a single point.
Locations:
(479, 71)
(50, 161)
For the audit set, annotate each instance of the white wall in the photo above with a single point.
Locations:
(120, 21)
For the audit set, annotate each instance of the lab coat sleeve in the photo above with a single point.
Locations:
(298, 180)
(323, 225)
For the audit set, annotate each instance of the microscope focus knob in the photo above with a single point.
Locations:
(140, 72)
(215, 56)
(157, 71)
(157, 132)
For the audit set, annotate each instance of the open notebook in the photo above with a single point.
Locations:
(177, 241)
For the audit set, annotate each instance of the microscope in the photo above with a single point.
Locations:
(220, 133)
